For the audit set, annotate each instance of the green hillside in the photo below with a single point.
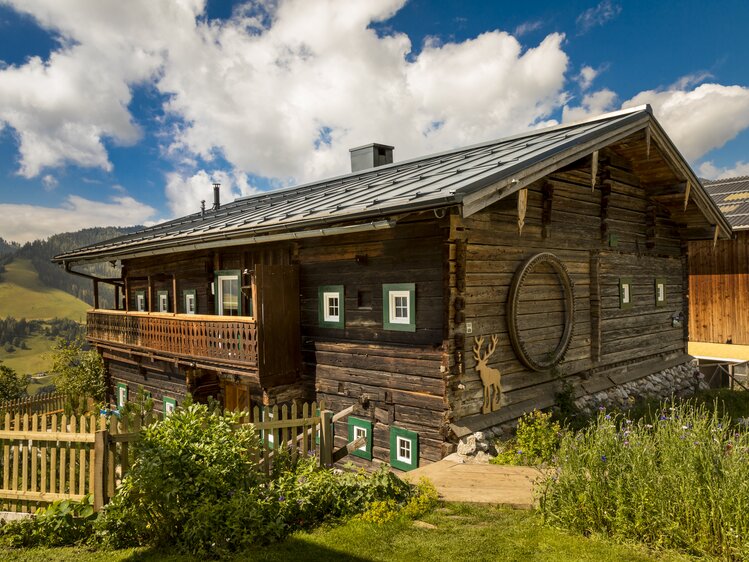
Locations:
(23, 295)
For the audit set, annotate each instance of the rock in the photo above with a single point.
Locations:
(423, 525)
(467, 445)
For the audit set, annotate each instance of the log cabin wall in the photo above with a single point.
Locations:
(393, 378)
(719, 290)
(612, 233)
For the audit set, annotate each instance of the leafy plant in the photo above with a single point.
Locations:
(536, 441)
(79, 374)
(64, 522)
(12, 385)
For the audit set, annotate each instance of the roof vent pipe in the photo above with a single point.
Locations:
(216, 196)
(370, 156)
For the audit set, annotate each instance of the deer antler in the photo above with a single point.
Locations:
(493, 346)
(478, 341)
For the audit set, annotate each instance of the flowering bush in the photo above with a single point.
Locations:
(536, 441)
(680, 480)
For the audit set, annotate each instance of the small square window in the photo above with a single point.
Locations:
(399, 308)
(190, 301)
(140, 301)
(331, 306)
(404, 449)
(121, 395)
(660, 292)
(625, 292)
(170, 404)
(360, 428)
(364, 299)
(163, 301)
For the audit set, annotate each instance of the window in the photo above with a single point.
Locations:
(660, 292)
(121, 395)
(331, 306)
(625, 292)
(163, 301)
(140, 301)
(361, 428)
(399, 307)
(404, 449)
(170, 404)
(228, 297)
(190, 300)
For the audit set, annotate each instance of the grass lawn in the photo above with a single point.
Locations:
(23, 295)
(36, 359)
(463, 532)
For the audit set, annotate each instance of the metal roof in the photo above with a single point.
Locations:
(732, 197)
(428, 182)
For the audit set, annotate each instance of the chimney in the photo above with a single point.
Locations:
(370, 156)
(216, 196)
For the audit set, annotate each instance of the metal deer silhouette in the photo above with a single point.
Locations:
(489, 377)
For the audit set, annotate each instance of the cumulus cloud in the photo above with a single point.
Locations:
(184, 193)
(280, 90)
(712, 172)
(592, 104)
(49, 182)
(598, 15)
(527, 27)
(701, 119)
(586, 76)
(23, 223)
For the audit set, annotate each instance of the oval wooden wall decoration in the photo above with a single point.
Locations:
(566, 309)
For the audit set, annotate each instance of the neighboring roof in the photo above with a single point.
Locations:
(473, 176)
(732, 197)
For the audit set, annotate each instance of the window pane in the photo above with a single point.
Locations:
(229, 296)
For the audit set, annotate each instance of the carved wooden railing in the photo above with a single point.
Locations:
(220, 338)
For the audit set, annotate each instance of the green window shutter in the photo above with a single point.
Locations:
(355, 427)
(121, 394)
(625, 292)
(170, 404)
(331, 306)
(404, 449)
(399, 307)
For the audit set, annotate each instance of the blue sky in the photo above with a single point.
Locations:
(116, 113)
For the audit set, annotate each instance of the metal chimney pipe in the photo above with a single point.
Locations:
(216, 196)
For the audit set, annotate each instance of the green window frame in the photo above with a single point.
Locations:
(399, 314)
(355, 427)
(162, 298)
(625, 292)
(121, 394)
(187, 295)
(138, 296)
(170, 404)
(331, 307)
(225, 275)
(404, 449)
(660, 291)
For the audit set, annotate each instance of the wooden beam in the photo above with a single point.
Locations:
(593, 169)
(343, 452)
(149, 304)
(127, 296)
(547, 192)
(686, 194)
(522, 207)
(174, 293)
(715, 236)
(96, 293)
(116, 297)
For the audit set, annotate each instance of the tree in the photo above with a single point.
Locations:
(78, 374)
(12, 385)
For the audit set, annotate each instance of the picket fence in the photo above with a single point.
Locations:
(47, 457)
(52, 402)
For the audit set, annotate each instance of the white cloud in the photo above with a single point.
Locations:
(598, 15)
(593, 104)
(23, 223)
(527, 27)
(49, 182)
(586, 76)
(712, 172)
(260, 89)
(701, 119)
(184, 193)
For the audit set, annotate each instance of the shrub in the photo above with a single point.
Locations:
(64, 522)
(678, 482)
(12, 385)
(536, 441)
(79, 374)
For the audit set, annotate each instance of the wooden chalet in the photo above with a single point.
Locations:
(439, 296)
(719, 278)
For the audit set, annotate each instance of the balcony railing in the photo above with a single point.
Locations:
(222, 339)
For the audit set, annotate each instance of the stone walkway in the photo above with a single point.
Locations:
(459, 481)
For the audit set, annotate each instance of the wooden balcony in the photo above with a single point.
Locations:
(227, 340)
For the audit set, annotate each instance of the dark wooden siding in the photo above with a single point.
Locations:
(719, 290)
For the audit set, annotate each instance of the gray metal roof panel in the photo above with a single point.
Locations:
(732, 197)
(439, 179)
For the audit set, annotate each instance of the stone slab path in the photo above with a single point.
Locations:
(459, 481)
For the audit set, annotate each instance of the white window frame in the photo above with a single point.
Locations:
(220, 292)
(163, 302)
(361, 432)
(190, 299)
(140, 302)
(626, 296)
(327, 296)
(121, 395)
(392, 296)
(399, 441)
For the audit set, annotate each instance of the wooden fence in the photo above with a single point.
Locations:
(53, 402)
(50, 456)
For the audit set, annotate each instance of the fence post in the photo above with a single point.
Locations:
(326, 439)
(100, 471)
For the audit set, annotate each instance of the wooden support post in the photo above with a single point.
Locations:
(96, 293)
(127, 296)
(116, 297)
(326, 439)
(647, 142)
(715, 236)
(175, 301)
(149, 296)
(593, 169)
(686, 194)
(100, 469)
(548, 198)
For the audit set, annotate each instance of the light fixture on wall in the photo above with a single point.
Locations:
(677, 319)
